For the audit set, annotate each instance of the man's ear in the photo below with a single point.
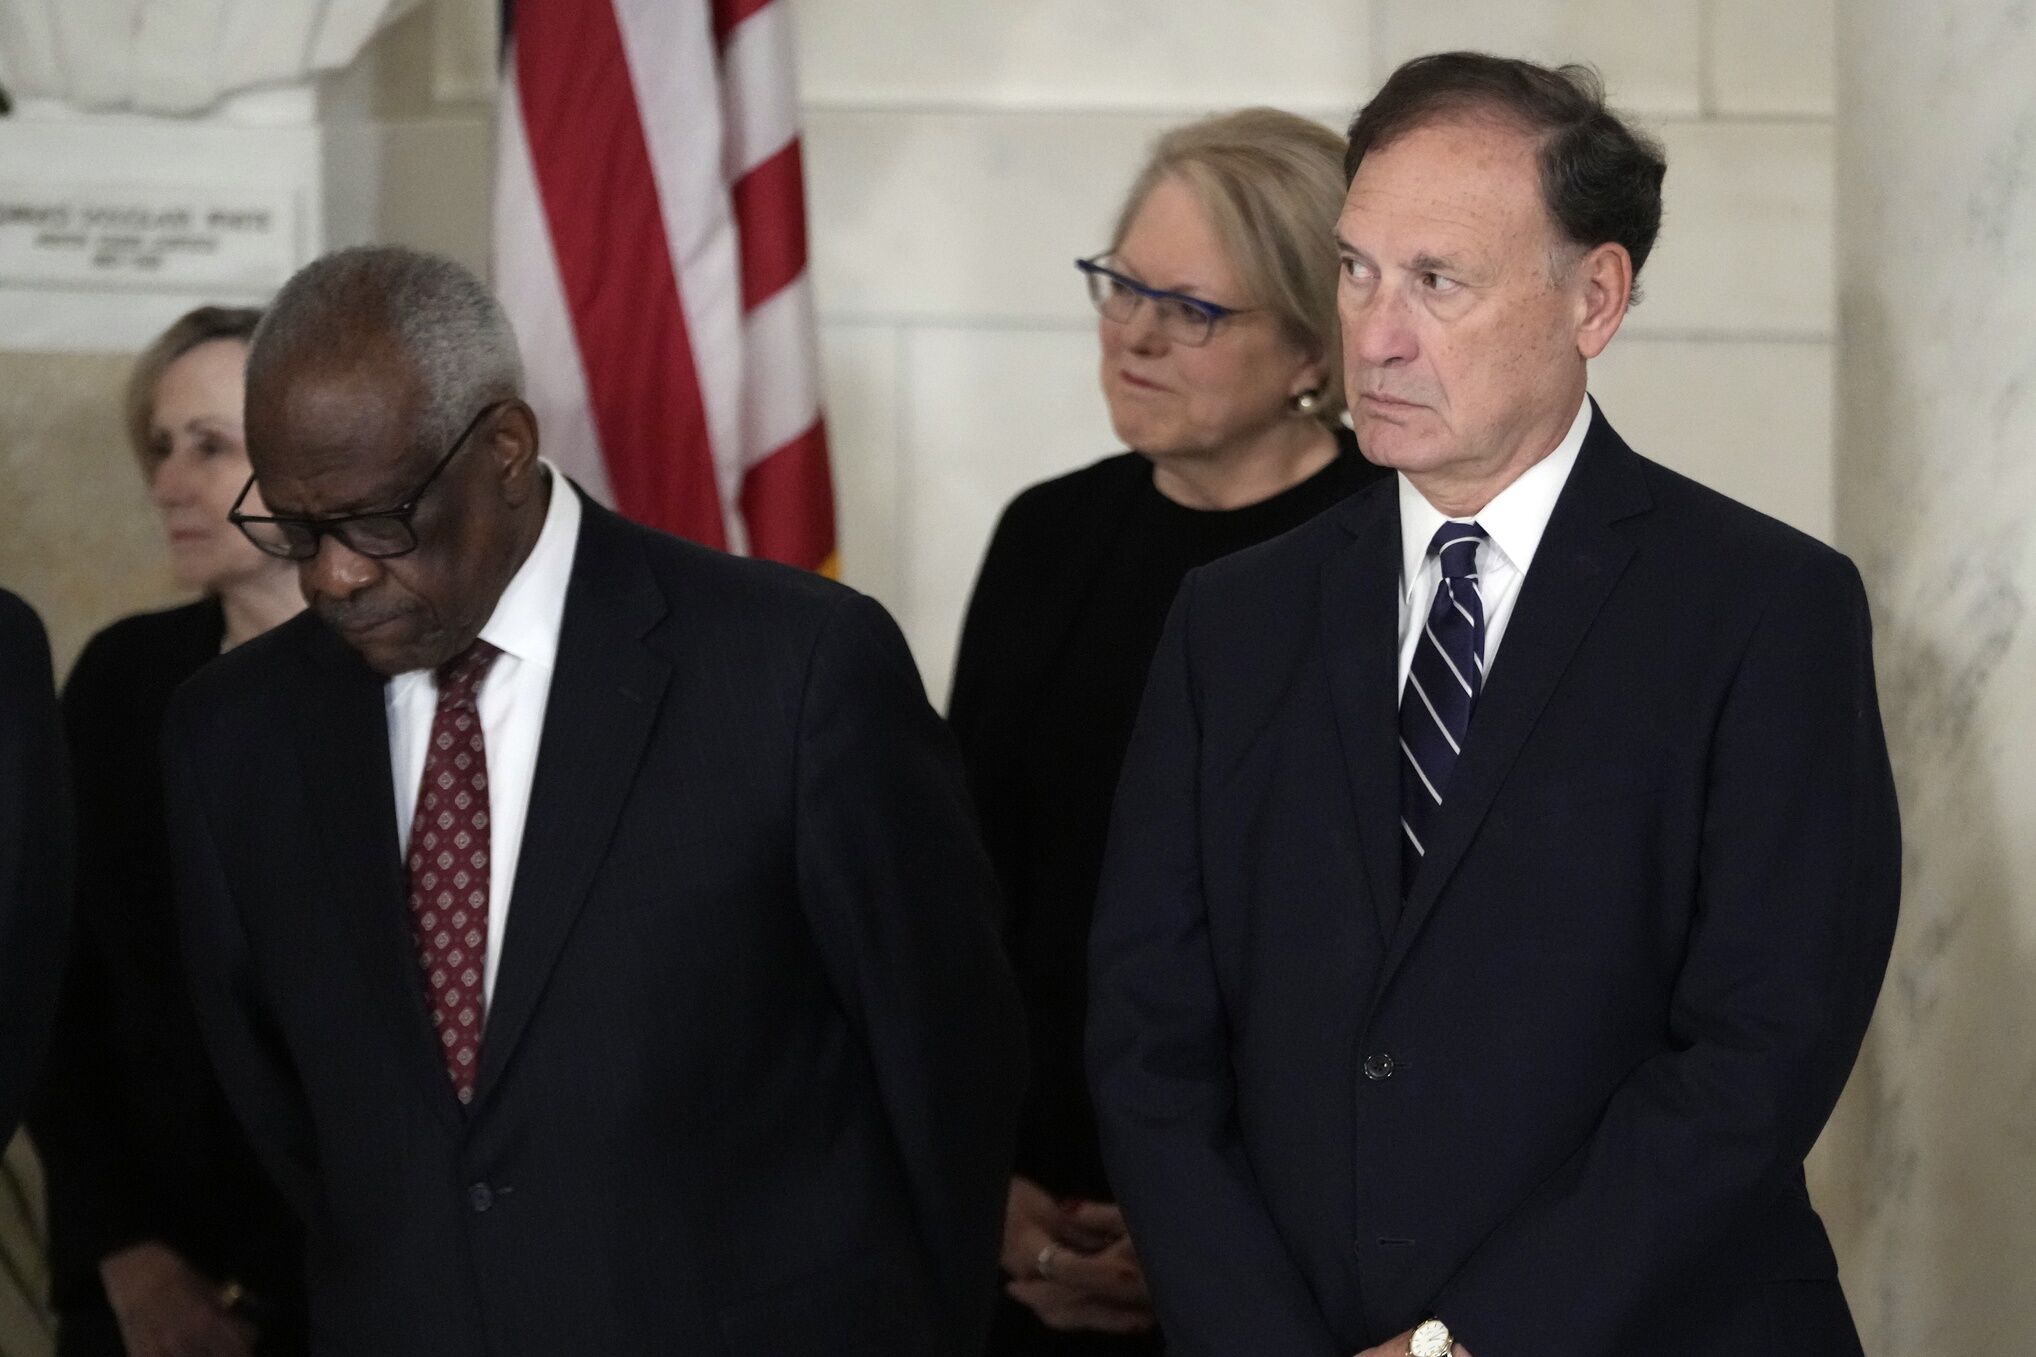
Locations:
(1604, 283)
(512, 443)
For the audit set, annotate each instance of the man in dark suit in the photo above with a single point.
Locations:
(747, 1081)
(35, 854)
(1506, 863)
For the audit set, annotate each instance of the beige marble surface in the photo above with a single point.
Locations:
(1931, 1168)
(77, 537)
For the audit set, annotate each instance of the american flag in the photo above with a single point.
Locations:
(650, 246)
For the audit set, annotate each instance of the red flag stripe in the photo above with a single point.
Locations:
(788, 502)
(770, 218)
(729, 14)
(614, 262)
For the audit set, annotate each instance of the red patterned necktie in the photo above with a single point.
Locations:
(449, 866)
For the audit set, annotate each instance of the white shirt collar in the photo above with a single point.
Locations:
(1514, 520)
(527, 617)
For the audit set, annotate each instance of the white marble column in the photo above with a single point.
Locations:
(1929, 1174)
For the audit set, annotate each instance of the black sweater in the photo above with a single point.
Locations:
(136, 1137)
(1065, 617)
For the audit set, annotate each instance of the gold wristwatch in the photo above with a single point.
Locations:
(1431, 1339)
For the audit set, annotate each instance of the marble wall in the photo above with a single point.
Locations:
(1931, 1164)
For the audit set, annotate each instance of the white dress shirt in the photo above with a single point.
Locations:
(1513, 524)
(525, 628)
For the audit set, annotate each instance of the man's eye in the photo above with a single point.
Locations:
(1439, 284)
(1355, 270)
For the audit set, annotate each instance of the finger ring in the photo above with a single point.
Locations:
(1043, 1264)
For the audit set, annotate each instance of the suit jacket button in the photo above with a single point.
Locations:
(1377, 1067)
(480, 1196)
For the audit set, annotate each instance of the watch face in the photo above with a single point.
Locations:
(1431, 1339)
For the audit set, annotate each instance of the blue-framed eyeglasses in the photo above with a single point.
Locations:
(1182, 319)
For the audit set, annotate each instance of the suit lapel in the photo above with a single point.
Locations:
(604, 701)
(1580, 559)
(1360, 629)
(343, 736)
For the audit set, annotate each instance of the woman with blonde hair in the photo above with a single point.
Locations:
(1221, 367)
(166, 1236)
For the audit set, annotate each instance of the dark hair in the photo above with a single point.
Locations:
(186, 333)
(1600, 177)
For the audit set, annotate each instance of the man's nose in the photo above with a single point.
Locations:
(1378, 332)
(337, 571)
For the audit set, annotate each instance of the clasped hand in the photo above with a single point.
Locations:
(1400, 1346)
(1091, 1279)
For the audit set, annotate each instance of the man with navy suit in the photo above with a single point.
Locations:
(1506, 863)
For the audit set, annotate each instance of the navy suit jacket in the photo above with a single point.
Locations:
(1561, 1095)
(35, 854)
(752, 1063)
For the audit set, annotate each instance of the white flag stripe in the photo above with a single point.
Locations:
(527, 281)
(672, 64)
(1429, 631)
(708, 115)
(1418, 773)
(780, 341)
(1415, 681)
(759, 95)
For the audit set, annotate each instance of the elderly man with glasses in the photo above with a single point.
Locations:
(588, 926)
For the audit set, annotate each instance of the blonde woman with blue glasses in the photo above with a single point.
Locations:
(1220, 365)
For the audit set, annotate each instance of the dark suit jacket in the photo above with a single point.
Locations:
(1563, 1096)
(35, 854)
(750, 1069)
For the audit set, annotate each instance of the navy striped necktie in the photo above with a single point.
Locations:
(1442, 689)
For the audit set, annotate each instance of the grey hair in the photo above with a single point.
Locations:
(445, 323)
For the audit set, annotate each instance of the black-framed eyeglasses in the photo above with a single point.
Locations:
(380, 533)
(1182, 319)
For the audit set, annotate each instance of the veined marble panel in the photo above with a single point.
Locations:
(1745, 247)
(1773, 57)
(860, 368)
(1937, 498)
(1649, 51)
(1752, 420)
(77, 537)
(987, 413)
(1074, 54)
(941, 217)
